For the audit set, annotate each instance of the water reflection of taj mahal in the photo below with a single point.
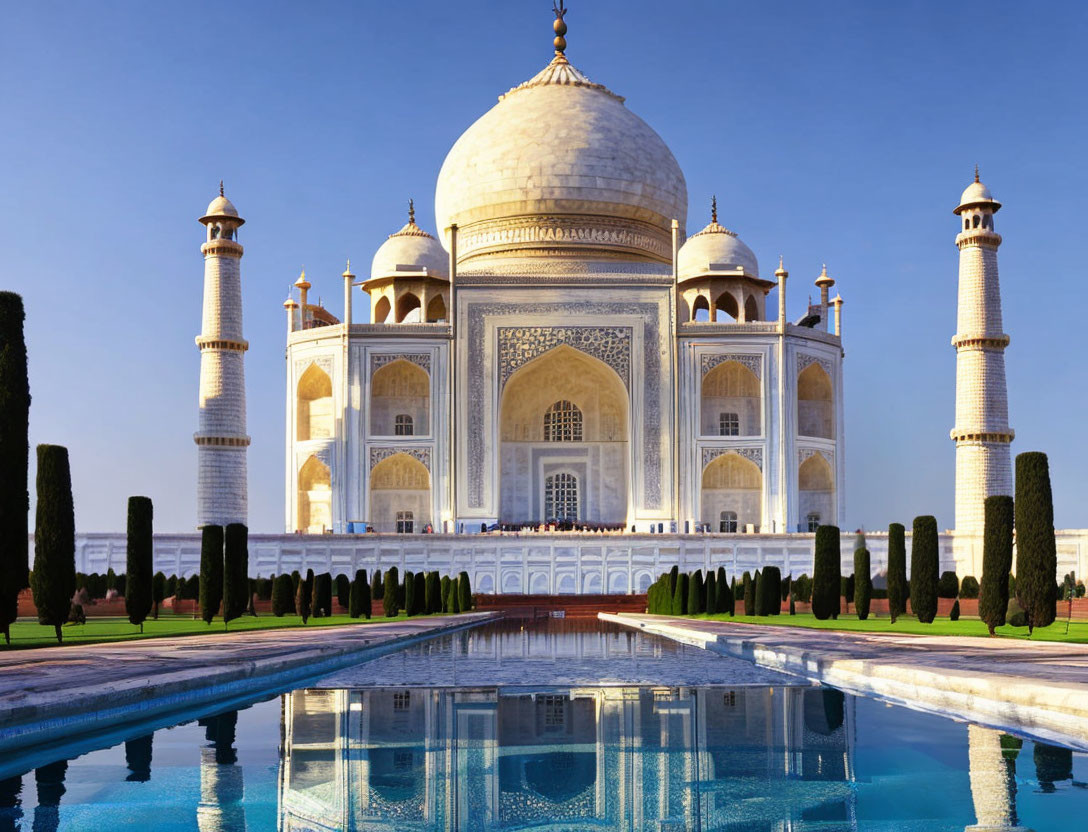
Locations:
(592, 757)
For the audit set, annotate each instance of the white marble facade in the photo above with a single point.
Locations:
(559, 352)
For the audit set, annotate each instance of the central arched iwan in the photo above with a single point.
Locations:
(734, 484)
(564, 411)
(400, 494)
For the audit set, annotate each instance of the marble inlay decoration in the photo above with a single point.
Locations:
(380, 359)
(804, 359)
(751, 454)
(422, 454)
(322, 362)
(751, 361)
(518, 345)
(805, 453)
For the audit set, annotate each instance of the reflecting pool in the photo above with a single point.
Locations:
(513, 748)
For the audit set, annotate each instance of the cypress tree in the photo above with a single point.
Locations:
(433, 602)
(680, 596)
(924, 565)
(158, 593)
(14, 458)
(826, 573)
(897, 570)
(343, 591)
(758, 593)
(444, 591)
(674, 576)
(421, 593)
(721, 587)
(696, 593)
(993, 596)
(389, 593)
(770, 584)
(787, 582)
(409, 593)
(111, 579)
(728, 602)
(711, 593)
(455, 596)
(236, 594)
(281, 595)
(304, 596)
(171, 586)
(464, 593)
(359, 596)
(138, 561)
(211, 572)
(749, 590)
(1036, 554)
(863, 583)
(322, 603)
(377, 585)
(54, 578)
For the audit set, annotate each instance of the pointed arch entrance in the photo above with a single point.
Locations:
(400, 495)
(563, 428)
(732, 494)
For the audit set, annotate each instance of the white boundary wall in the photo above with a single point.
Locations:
(557, 563)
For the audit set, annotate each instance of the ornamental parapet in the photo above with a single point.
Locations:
(221, 247)
(1000, 436)
(993, 342)
(206, 440)
(231, 344)
(977, 237)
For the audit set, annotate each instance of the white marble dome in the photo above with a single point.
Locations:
(560, 164)
(977, 194)
(410, 250)
(221, 207)
(715, 249)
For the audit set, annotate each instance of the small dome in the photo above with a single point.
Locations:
(410, 250)
(715, 249)
(221, 207)
(977, 194)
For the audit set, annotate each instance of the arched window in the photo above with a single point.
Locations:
(728, 523)
(404, 522)
(561, 497)
(728, 424)
(700, 309)
(751, 309)
(403, 426)
(813, 521)
(563, 423)
(215, 232)
(976, 221)
(966, 223)
(436, 309)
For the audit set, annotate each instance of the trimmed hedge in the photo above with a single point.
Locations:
(236, 594)
(969, 587)
(377, 585)
(863, 583)
(54, 578)
(343, 591)
(359, 596)
(304, 596)
(749, 590)
(139, 553)
(431, 593)
(390, 592)
(897, 570)
(211, 572)
(1036, 552)
(711, 589)
(726, 602)
(14, 459)
(464, 592)
(826, 573)
(948, 586)
(444, 591)
(696, 593)
(770, 587)
(281, 596)
(924, 563)
(421, 593)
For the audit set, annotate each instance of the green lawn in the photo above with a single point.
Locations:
(908, 625)
(28, 633)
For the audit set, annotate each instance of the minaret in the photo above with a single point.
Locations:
(982, 434)
(824, 283)
(221, 439)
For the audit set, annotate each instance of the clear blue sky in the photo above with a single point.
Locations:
(830, 132)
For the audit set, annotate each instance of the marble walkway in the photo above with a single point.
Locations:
(51, 692)
(1036, 687)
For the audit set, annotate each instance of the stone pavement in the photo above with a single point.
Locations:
(53, 692)
(1035, 687)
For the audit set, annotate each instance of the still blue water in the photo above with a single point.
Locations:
(559, 725)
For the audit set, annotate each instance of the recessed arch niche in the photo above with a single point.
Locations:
(816, 491)
(564, 381)
(314, 497)
(815, 403)
(400, 490)
(314, 416)
(731, 483)
(400, 388)
(730, 388)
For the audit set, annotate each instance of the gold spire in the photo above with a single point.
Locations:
(347, 270)
(221, 183)
(825, 279)
(559, 26)
(976, 171)
(411, 212)
(302, 282)
(781, 270)
(714, 208)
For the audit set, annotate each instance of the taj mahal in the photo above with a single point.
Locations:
(559, 389)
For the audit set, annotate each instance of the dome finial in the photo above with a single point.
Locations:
(976, 171)
(221, 187)
(411, 211)
(714, 208)
(559, 26)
